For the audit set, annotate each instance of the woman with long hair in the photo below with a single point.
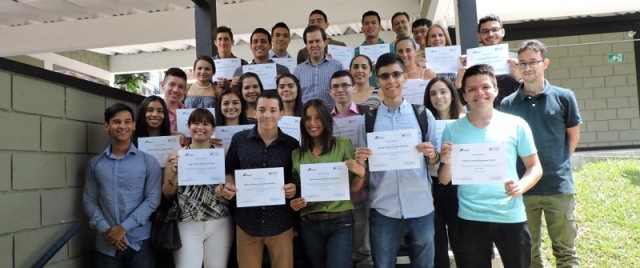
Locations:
(206, 227)
(361, 68)
(153, 120)
(326, 227)
(438, 36)
(406, 49)
(231, 109)
(289, 91)
(202, 93)
(251, 87)
(441, 98)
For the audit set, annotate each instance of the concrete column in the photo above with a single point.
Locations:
(206, 21)
(466, 24)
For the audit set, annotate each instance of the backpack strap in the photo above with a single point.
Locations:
(421, 114)
(370, 120)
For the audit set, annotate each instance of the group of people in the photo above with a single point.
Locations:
(537, 123)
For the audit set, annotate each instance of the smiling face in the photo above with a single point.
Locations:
(401, 26)
(479, 92)
(420, 34)
(230, 106)
(268, 113)
(201, 131)
(223, 42)
(361, 70)
(260, 46)
(154, 115)
(173, 88)
(120, 126)
(341, 89)
(440, 97)
(287, 89)
(391, 78)
(491, 33)
(405, 49)
(281, 39)
(370, 26)
(203, 71)
(318, 20)
(250, 89)
(312, 123)
(529, 58)
(436, 38)
(315, 45)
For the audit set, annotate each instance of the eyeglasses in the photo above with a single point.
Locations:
(492, 30)
(340, 86)
(421, 31)
(386, 76)
(532, 64)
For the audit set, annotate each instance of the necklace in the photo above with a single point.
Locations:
(201, 87)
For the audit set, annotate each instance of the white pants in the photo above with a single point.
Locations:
(208, 241)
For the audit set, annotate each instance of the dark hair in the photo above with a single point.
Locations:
(389, 59)
(201, 115)
(421, 22)
(479, 69)
(112, 110)
(342, 73)
(371, 13)
(223, 29)
(489, 17)
(444, 31)
(313, 28)
(363, 56)
(207, 59)
(271, 94)
(406, 38)
(455, 108)
(535, 46)
(177, 72)
(280, 25)
(400, 14)
(262, 31)
(249, 74)
(297, 110)
(142, 129)
(326, 137)
(320, 12)
(220, 119)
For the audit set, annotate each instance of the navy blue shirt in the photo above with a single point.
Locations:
(248, 151)
(549, 114)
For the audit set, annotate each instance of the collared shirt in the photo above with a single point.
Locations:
(248, 151)
(122, 191)
(374, 74)
(280, 70)
(404, 193)
(272, 54)
(353, 110)
(549, 114)
(173, 121)
(242, 61)
(303, 54)
(314, 80)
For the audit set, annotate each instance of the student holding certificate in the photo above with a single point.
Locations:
(441, 98)
(206, 227)
(490, 213)
(231, 109)
(438, 36)
(202, 93)
(289, 91)
(153, 120)
(326, 227)
(250, 86)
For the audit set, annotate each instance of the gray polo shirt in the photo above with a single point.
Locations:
(549, 114)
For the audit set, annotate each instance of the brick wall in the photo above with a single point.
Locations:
(48, 133)
(607, 93)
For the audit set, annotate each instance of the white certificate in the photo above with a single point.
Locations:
(479, 163)
(375, 51)
(159, 147)
(440, 125)
(226, 67)
(443, 59)
(413, 90)
(260, 187)
(394, 150)
(290, 63)
(182, 117)
(267, 73)
(324, 182)
(201, 166)
(348, 127)
(290, 125)
(496, 56)
(225, 133)
(342, 54)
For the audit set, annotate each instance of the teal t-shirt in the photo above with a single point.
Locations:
(489, 202)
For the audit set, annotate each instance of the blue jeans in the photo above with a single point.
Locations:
(512, 240)
(328, 243)
(127, 258)
(386, 234)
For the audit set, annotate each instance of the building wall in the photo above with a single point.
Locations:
(607, 93)
(85, 56)
(48, 133)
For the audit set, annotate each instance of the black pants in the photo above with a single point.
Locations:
(512, 240)
(445, 201)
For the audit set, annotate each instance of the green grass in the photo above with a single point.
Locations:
(608, 214)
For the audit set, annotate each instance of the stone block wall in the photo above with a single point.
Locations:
(607, 93)
(49, 131)
(85, 56)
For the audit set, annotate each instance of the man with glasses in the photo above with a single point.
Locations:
(420, 27)
(552, 113)
(401, 201)
(315, 72)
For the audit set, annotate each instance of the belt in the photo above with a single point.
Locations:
(323, 216)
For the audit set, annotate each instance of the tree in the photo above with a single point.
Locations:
(131, 82)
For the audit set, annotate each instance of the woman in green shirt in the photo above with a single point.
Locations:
(326, 227)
